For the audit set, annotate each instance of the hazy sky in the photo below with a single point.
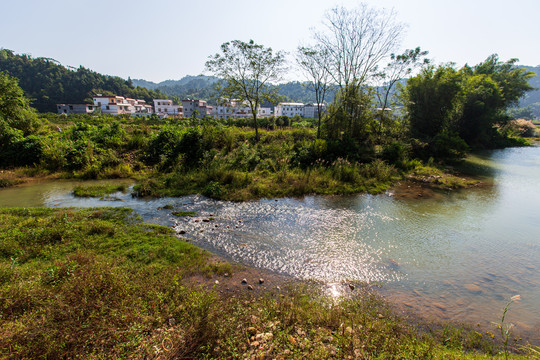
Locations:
(160, 40)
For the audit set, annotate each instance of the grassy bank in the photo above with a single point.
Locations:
(217, 158)
(99, 283)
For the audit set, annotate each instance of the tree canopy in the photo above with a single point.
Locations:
(246, 71)
(469, 103)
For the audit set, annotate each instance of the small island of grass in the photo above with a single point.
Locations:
(97, 190)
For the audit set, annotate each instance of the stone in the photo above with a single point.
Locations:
(244, 281)
(182, 232)
(291, 339)
(216, 282)
(261, 281)
(250, 287)
(351, 286)
(439, 306)
(473, 288)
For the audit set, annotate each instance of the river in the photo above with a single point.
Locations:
(457, 256)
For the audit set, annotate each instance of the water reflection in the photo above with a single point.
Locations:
(458, 255)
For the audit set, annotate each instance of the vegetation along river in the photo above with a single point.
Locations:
(458, 256)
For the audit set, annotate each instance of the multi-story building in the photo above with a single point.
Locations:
(165, 108)
(238, 109)
(289, 109)
(311, 110)
(113, 105)
(203, 109)
(75, 108)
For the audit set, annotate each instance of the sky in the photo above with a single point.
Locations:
(160, 40)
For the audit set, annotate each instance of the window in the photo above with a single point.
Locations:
(107, 107)
(70, 107)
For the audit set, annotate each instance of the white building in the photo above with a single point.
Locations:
(289, 109)
(311, 110)
(165, 108)
(75, 108)
(189, 106)
(237, 109)
(118, 105)
(113, 105)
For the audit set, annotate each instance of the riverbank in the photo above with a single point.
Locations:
(100, 283)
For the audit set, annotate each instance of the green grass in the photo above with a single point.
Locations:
(99, 283)
(97, 190)
(184, 213)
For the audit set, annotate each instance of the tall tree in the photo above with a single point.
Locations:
(246, 70)
(357, 40)
(315, 62)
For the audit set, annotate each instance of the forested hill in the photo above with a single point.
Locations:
(189, 87)
(48, 83)
(202, 87)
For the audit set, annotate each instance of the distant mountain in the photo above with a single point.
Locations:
(202, 87)
(47, 83)
(192, 87)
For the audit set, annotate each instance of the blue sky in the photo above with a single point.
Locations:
(163, 40)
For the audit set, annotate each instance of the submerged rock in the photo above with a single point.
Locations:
(473, 288)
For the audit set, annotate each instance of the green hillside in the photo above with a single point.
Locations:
(47, 83)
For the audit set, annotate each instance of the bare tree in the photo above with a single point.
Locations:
(357, 41)
(246, 70)
(314, 64)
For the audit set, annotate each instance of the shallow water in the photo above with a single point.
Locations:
(458, 256)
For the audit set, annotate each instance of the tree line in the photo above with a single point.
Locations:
(445, 112)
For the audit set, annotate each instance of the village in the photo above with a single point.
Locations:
(164, 108)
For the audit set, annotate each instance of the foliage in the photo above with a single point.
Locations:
(444, 104)
(350, 116)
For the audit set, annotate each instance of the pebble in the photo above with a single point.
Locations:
(244, 281)
(261, 281)
(182, 232)
(250, 287)
(351, 286)
(216, 282)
